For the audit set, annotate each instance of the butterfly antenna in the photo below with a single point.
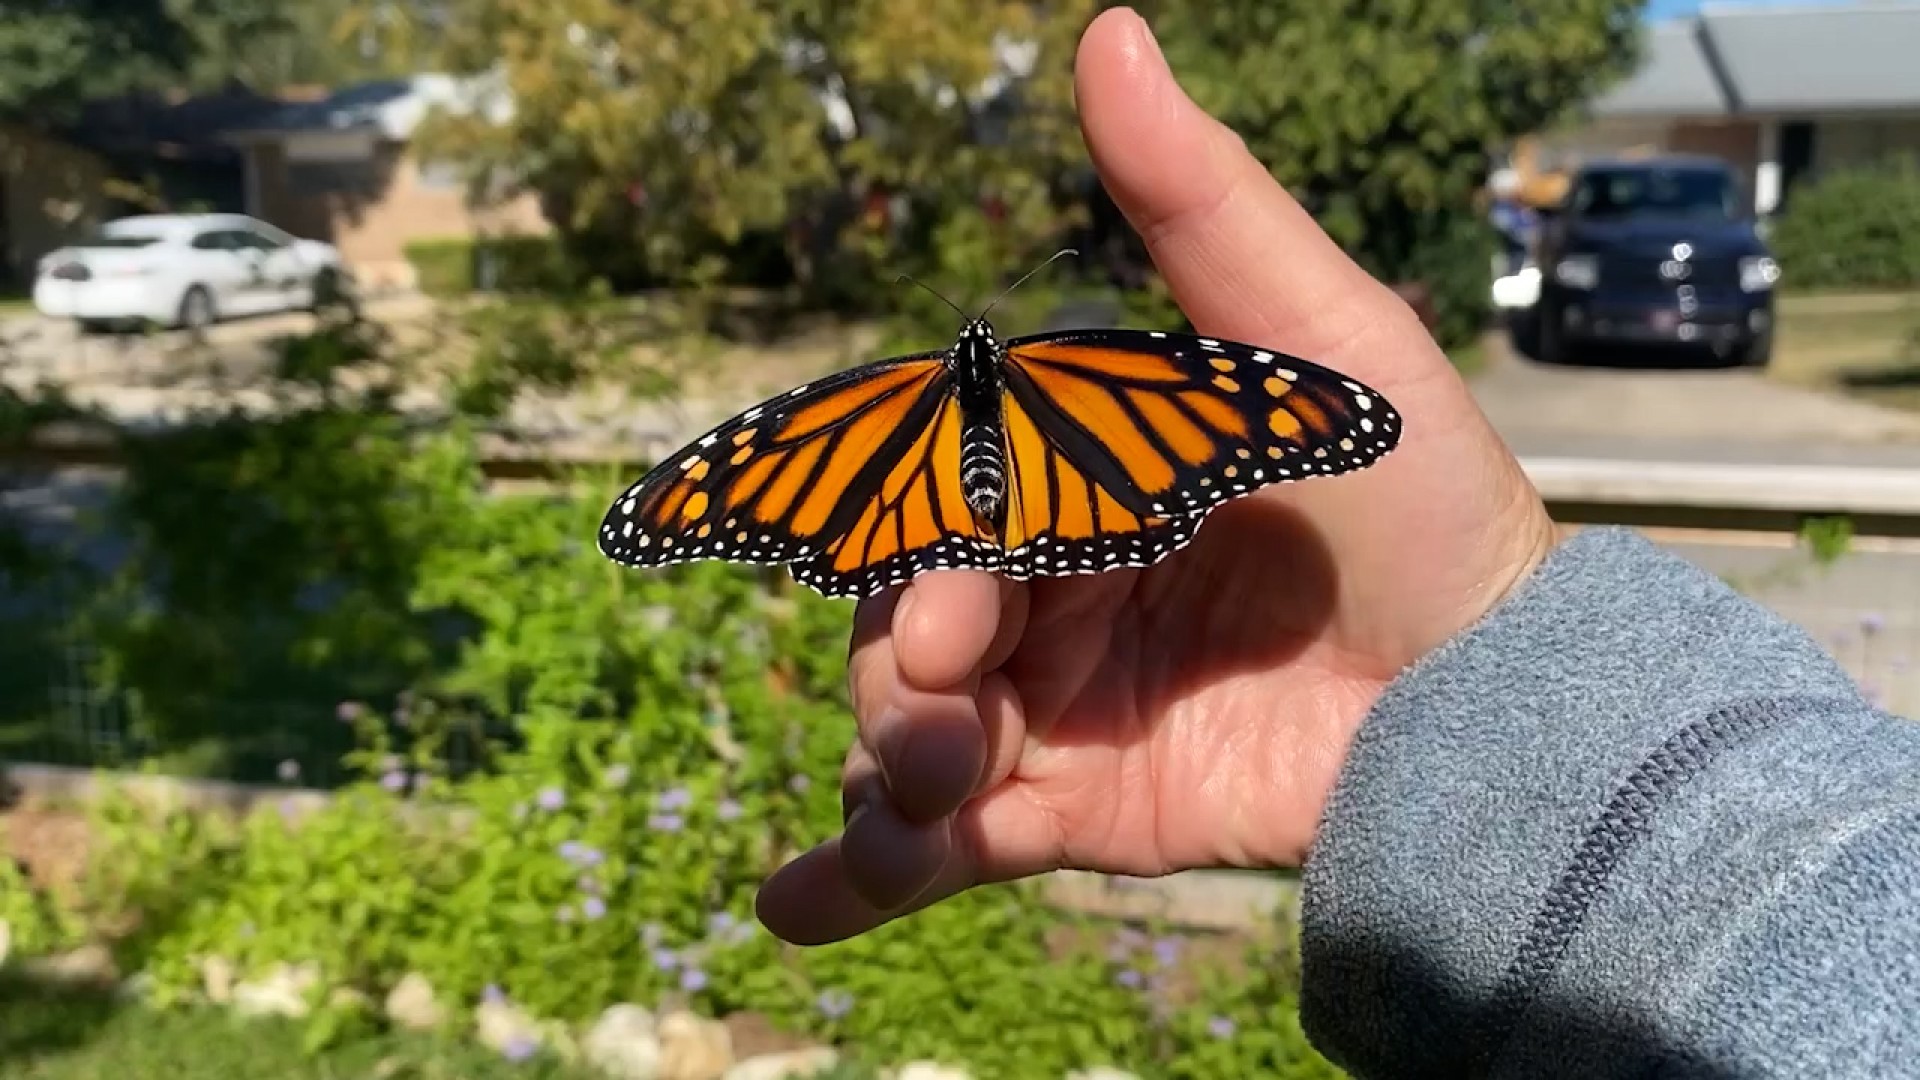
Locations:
(936, 296)
(1055, 257)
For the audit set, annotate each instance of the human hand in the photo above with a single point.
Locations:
(1196, 713)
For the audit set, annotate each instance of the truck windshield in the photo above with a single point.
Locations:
(1691, 193)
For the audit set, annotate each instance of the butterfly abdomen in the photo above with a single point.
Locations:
(983, 470)
(983, 454)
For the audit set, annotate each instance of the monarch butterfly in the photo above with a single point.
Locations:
(1053, 454)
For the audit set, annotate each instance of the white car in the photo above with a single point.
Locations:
(185, 270)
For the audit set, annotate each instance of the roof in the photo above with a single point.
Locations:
(1674, 76)
(1789, 58)
(1806, 58)
(173, 127)
(384, 108)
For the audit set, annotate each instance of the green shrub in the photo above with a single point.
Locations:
(36, 921)
(455, 266)
(1854, 228)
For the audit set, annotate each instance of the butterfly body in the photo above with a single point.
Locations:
(1052, 454)
(974, 365)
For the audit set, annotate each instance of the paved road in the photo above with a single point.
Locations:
(1684, 415)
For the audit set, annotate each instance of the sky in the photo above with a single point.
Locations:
(1667, 9)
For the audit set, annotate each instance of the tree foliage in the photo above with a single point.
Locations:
(55, 55)
(269, 44)
(1380, 114)
(839, 134)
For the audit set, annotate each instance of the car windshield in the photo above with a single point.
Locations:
(1693, 193)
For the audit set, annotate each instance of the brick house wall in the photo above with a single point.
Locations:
(372, 205)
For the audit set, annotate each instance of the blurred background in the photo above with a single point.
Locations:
(331, 745)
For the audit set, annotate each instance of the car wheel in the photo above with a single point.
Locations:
(196, 310)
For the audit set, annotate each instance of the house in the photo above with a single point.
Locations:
(1783, 93)
(138, 153)
(342, 167)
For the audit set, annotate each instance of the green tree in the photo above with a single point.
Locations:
(53, 56)
(668, 133)
(1380, 114)
(269, 44)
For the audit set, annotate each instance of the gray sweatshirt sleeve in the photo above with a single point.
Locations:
(1630, 824)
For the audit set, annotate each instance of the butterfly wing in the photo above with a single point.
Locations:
(784, 481)
(912, 517)
(1120, 441)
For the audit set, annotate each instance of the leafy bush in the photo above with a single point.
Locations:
(454, 266)
(35, 921)
(673, 737)
(1854, 228)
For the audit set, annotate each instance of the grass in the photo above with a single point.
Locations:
(1865, 346)
(69, 1033)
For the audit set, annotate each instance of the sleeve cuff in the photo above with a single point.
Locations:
(1500, 782)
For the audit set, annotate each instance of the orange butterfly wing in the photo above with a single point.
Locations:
(778, 482)
(1120, 442)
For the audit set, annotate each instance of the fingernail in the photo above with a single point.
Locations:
(855, 799)
(1149, 44)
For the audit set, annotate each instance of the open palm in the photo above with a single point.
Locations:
(1197, 713)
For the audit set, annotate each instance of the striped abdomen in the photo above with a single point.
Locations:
(983, 469)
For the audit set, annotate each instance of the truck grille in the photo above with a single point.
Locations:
(1643, 272)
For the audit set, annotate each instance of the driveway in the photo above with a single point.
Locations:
(1711, 415)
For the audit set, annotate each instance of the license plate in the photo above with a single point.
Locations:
(1666, 321)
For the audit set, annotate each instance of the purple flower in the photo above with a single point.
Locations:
(665, 822)
(289, 771)
(617, 775)
(551, 798)
(1130, 979)
(1166, 951)
(348, 711)
(593, 907)
(519, 1048)
(728, 810)
(571, 849)
(720, 922)
(693, 980)
(666, 959)
(394, 780)
(677, 798)
(834, 1004)
(1872, 623)
(1220, 1027)
(492, 994)
(800, 784)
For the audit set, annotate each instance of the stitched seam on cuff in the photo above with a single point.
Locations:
(1625, 820)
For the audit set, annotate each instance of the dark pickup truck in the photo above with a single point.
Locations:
(1656, 251)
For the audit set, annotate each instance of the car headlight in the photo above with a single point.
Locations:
(1758, 273)
(1577, 271)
